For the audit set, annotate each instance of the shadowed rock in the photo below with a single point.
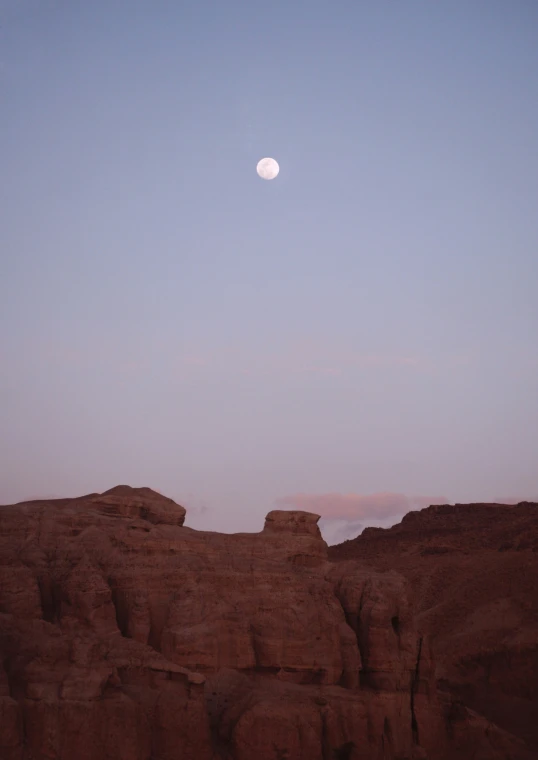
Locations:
(125, 635)
(473, 569)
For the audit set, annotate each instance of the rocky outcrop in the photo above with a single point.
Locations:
(125, 635)
(473, 571)
(297, 523)
(143, 503)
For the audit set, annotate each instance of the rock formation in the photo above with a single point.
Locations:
(473, 569)
(126, 636)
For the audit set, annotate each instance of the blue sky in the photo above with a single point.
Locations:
(364, 324)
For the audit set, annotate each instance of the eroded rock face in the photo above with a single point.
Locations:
(298, 523)
(124, 635)
(124, 501)
(473, 571)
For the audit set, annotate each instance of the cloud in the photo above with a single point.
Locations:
(355, 506)
(344, 515)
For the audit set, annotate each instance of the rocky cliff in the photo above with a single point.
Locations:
(126, 636)
(473, 569)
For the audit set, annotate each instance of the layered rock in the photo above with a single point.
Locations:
(124, 501)
(473, 570)
(124, 634)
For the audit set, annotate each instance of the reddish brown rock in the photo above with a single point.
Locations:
(124, 501)
(125, 635)
(473, 570)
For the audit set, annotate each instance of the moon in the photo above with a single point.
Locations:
(267, 168)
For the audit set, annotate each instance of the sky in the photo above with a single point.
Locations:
(358, 337)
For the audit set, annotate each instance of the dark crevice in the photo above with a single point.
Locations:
(325, 749)
(154, 639)
(395, 622)
(357, 624)
(281, 753)
(414, 686)
(120, 608)
(6, 668)
(158, 618)
(50, 599)
(362, 642)
(344, 752)
(386, 738)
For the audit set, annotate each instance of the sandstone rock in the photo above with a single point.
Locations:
(296, 522)
(473, 571)
(126, 636)
(124, 501)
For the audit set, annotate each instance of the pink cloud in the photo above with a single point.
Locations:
(354, 506)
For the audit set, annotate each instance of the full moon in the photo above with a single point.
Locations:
(267, 168)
